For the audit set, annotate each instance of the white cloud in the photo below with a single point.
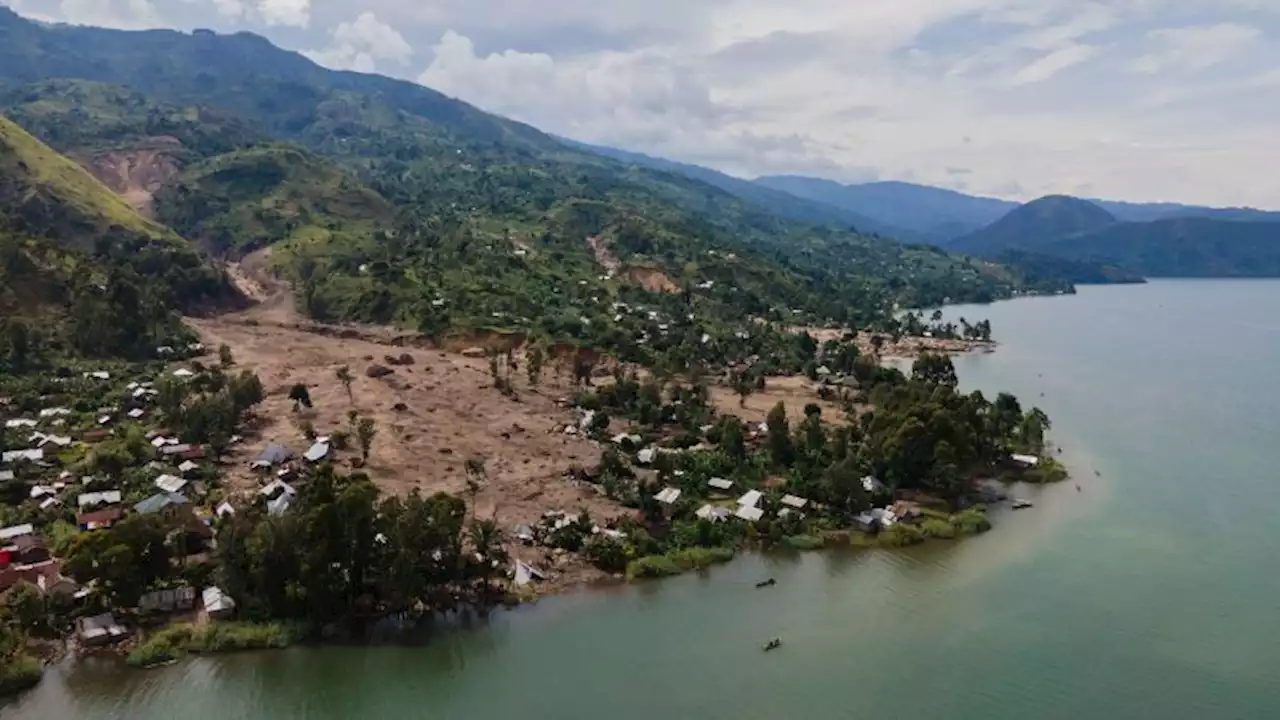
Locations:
(295, 13)
(359, 45)
(1194, 48)
(229, 8)
(1053, 63)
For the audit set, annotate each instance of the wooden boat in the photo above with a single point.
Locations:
(773, 644)
(766, 583)
(1020, 504)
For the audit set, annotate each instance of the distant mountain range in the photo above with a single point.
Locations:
(1058, 237)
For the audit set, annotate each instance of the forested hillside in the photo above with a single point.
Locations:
(79, 269)
(450, 219)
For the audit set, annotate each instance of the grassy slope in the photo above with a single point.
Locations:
(243, 200)
(48, 195)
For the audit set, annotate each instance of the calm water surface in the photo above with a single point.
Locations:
(1149, 593)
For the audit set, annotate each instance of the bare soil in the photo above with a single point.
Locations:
(450, 412)
(794, 392)
(649, 278)
(135, 175)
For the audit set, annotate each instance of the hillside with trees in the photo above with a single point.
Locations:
(79, 269)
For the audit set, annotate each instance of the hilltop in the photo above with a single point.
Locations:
(1035, 225)
(81, 270)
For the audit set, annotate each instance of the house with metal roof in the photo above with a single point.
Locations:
(720, 483)
(749, 513)
(794, 501)
(668, 496)
(160, 501)
(750, 498)
(317, 452)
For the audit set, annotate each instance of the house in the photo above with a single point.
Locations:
(19, 423)
(25, 550)
(873, 485)
(823, 372)
(188, 467)
(749, 513)
(905, 510)
(100, 630)
(668, 496)
(95, 436)
(159, 502)
(13, 532)
(98, 519)
(524, 534)
(183, 373)
(178, 449)
(646, 456)
(217, 604)
(794, 501)
(6, 475)
(40, 491)
(98, 375)
(712, 513)
(280, 496)
(170, 483)
(106, 497)
(1027, 460)
(54, 412)
(160, 441)
(166, 601)
(56, 586)
(195, 452)
(750, 498)
(13, 456)
(50, 503)
(317, 452)
(56, 440)
(136, 413)
(720, 483)
(273, 455)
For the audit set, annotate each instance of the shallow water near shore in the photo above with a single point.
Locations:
(1148, 592)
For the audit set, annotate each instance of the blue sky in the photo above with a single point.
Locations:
(1126, 99)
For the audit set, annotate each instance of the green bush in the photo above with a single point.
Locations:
(938, 528)
(901, 535)
(20, 673)
(805, 542)
(675, 563)
(175, 641)
(971, 522)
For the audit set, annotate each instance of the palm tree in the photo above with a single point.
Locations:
(476, 472)
(489, 543)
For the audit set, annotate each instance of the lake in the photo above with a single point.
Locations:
(1149, 592)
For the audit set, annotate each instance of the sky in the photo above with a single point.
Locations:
(1142, 100)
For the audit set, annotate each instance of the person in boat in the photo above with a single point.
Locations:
(773, 644)
(767, 583)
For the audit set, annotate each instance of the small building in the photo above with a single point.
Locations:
(188, 467)
(668, 496)
(1026, 460)
(624, 438)
(99, 519)
(159, 502)
(170, 483)
(95, 436)
(106, 497)
(317, 452)
(14, 532)
(873, 485)
(714, 514)
(280, 496)
(167, 601)
(720, 483)
(749, 513)
(794, 501)
(13, 456)
(19, 423)
(136, 413)
(750, 499)
(183, 373)
(273, 455)
(217, 604)
(54, 412)
(176, 449)
(646, 456)
(56, 586)
(224, 510)
(100, 630)
(6, 475)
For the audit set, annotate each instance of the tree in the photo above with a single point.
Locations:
(476, 472)
(488, 543)
(935, 368)
(743, 386)
(780, 448)
(300, 396)
(344, 376)
(365, 432)
(536, 358)
(224, 356)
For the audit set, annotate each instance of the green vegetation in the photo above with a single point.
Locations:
(240, 201)
(677, 562)
(174, 641)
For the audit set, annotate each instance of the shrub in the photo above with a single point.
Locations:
(675, 563)
(971, 522)
(938, 528)
(19, 673)
(175, 641)
(901, 535)
(805, 542)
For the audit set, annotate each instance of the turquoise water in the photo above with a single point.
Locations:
(1150, 592)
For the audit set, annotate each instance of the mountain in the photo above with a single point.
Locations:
(497, 225)
(1032, 226)
(1181, 247)
(79, 269)
(780, 202)
(928, 214)
(1054, 230)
